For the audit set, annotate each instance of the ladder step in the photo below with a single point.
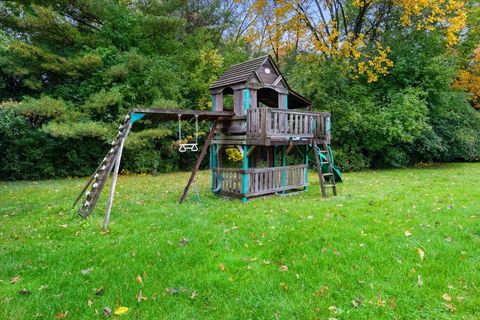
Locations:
(329, 185)
(327, 174)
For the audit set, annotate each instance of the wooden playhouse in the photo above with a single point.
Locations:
(254, 111)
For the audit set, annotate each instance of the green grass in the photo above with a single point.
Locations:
(340, 251)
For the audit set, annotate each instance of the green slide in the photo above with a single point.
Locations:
(323, 158)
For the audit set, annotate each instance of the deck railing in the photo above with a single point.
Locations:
(281, 124)
(260, 180)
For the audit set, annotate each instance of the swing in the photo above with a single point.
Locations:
(187, 146)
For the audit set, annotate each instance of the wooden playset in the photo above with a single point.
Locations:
(255, 112)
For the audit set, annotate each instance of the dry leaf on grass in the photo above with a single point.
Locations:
(284, 268)
(61, 315)
(121, 310)
(140, 297)
(419, 280)
(407, 233)
(139, 279)
(421, 253)
(447, 297)
(222, 266)
(15, 279)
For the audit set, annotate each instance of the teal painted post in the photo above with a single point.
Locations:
(245, 175)
(285, 101)
(284, 163)
(213, 162)
(306, 169)
(246, 100)
(213, 102)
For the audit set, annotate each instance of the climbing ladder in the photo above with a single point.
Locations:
(327, 179)
(99, 178)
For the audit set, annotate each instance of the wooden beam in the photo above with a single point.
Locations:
(289, 148)
(199, 160)
(118, 158)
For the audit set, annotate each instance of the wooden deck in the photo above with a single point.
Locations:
(271, 126)
(260, 181)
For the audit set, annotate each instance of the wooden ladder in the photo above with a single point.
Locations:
(99, 178)
(324, 184)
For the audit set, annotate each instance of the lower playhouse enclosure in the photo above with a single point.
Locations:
(263, 170)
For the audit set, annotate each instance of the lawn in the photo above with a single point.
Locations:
(394, 244)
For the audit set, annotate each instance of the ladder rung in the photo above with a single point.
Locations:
(327, 174)
(329, 185)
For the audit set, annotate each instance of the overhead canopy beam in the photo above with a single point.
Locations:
(164, 115)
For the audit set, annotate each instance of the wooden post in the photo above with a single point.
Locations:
(284, 163)
(199, 160)
(306, 169)
(118, 158)
(245, 174)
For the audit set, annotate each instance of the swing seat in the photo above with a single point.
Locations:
(188, 146)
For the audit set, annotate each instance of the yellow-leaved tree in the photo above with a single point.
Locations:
(350, 29)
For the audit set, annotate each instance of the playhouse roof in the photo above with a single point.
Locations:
(240, 72)
(253, 72)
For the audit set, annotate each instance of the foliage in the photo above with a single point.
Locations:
(397, 76)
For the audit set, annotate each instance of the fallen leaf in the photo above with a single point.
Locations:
(355, 303)
(193, 295)
(107, 311)
(24, 291)
(42, 287)
(283, 268)
(89, 303)
(140, 297)
(332, 309)
(61, 315)
(284, 286)
(407, 233)
(86, 271)
(121, 310)
(183, 242)
(100, 291)
(139, 279)
(419, 280)
(446, 297)
(172, 291)
(421, 253)
(222, 266)
(393, 303)
(451, 307)
(15, 279)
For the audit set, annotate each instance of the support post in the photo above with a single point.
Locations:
(245, 174)
(306, 169)
(199, 160)
(118, 158)
(284, 163)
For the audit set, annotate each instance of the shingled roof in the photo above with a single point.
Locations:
(240, 72)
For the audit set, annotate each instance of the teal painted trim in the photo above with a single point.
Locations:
(285, 102)
(306, 169)
(246, 99)
(213, 161)
(213, 102)
(134, 117)
(245, 175)
(328, 125)
(284, 163)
